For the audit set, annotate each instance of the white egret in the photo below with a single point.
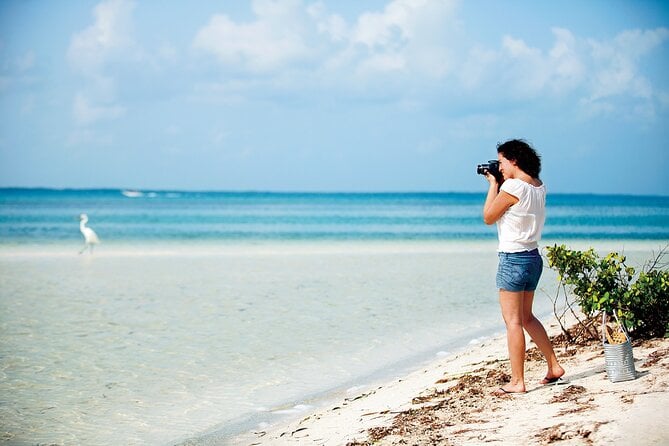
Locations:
(90, 237)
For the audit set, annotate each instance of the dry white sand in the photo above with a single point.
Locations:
(450, 402)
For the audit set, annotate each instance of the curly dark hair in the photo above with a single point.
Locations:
(522, 154)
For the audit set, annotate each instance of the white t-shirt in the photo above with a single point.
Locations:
(520, 227)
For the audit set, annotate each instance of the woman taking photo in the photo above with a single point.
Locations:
(518, 207)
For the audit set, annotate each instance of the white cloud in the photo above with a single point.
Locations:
(568, 67)
(402, 21)
(514, 70)
(529, 71)
(617, 75)
(616, 63)
(602, 74)
(406, 37)
(273, 40)
(90, 52)
(637, 43)
(411, 47)
(381, 29)
(110, 33)
(518, 49)
(415, 36)
(332, 25)
(526, 70)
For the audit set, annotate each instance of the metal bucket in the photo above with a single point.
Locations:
(619, 361)
(619, 358)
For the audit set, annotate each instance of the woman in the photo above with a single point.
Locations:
(519, 209)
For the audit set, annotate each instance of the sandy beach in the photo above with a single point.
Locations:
(450, 402)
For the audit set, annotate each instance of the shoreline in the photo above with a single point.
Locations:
(250, 247)
(449, 401)
(153, 248)
(291, 411)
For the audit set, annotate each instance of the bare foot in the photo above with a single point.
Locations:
(509, 389)
(553, 375)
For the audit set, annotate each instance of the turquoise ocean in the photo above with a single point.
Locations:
(205, 314)
(45, 216)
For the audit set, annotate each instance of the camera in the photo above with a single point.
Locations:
(491, 166)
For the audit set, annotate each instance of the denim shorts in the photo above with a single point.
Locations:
(519, 271)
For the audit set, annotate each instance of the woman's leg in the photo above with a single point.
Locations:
(538, 334)
(512, 311)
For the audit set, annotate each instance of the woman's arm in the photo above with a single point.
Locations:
(496, 203)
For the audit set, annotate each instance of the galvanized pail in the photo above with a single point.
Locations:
(619, 358)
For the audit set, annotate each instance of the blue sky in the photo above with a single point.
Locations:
(393, 95)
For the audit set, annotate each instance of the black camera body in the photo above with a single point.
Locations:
(491, 167)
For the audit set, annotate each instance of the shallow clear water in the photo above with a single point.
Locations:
(156, 347)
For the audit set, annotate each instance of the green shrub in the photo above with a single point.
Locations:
(641, 301)
(649, 301)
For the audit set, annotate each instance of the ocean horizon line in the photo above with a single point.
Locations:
(121, 190)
